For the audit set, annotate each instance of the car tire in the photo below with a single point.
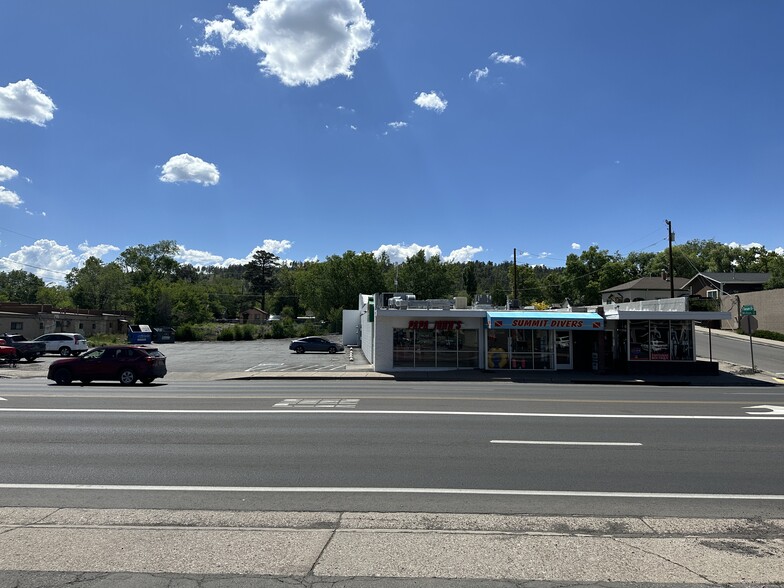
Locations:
(147, 381)
(75, 353)
(333, 349)
(127, 377)
(300, 349)
(63, 377)
(64, 351)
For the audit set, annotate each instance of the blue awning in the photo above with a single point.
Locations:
(566, 321)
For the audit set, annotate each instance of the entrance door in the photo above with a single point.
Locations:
(563, 350)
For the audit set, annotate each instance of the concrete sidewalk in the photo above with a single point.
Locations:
(86, 547)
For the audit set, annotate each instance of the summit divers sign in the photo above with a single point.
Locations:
(560, 322)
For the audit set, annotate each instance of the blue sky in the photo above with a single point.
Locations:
(313, 127)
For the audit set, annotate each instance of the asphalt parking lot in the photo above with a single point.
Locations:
(261, 355)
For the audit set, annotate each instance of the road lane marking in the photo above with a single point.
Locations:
(318, 402)
(769, 409)
(371, 490)
(402, 413)
(592, 443)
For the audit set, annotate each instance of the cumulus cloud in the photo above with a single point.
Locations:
(269, 245)
(197, 258)
(399, 253)
(398, 124)
(430, 101)
(8, 198)
(463, 254)
(478, 74)
(747, 246)
(205, 49)
(7, 173)
(188, 168)
(576, 246)
(303, 42)
(49, 260)
(496, 57)
(26, 102)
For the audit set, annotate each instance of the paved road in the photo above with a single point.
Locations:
(736, 349)
(458, 447)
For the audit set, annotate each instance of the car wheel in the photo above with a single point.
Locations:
(64, 351)
(300, 349)
(127, 377)
(30, 358)
(147, 381)
(333, 349)
(63, 376)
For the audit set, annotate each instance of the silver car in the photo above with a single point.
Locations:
(64, 343)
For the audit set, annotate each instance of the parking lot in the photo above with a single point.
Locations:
(261, 355)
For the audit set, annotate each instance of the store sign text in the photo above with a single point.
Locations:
(439, 325)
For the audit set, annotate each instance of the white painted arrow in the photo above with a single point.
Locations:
(2, 398)
(772, 408)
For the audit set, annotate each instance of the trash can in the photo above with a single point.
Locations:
(162, 335)
(138, 334)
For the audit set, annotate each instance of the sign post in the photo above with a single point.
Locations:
(749, 324)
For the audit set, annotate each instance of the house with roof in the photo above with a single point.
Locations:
(647, 288)
(717, 284)
(254, 316)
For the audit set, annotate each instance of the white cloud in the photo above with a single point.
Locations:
(205, 49)
(303, 42)
(197, 258)
(9, 198)
(463, 254)
(268, 245)
(7, 173)
(24, 101)
(431, 101)
(747, 246)
(507, 59)
(397, 124)
(779, 250)
(576, 246)
(478, 74)
(187, 168)
(399, 253)
(51, 261)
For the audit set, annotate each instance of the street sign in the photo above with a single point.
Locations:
(748, 324)
(748, 310)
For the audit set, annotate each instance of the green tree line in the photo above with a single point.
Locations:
(150, 282)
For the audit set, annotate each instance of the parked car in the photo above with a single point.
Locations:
(315, 344)
(8, 353)
(124, 363)
(64, 343)
(30, 350)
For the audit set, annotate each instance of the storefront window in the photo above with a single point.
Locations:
(430, 348)
(660, 340)
(498, 349)
(520, 349)
(403, 347)
(638, 340)
(425, 348)
(681, 342)
(468, 348)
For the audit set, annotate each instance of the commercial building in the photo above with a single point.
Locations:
(399, 333)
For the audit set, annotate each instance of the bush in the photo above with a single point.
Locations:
(248, 333)
(763, 334)
(106, 339)
(226, 334)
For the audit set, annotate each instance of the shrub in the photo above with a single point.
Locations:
(248, 333)
(763, 334)
(226, 334)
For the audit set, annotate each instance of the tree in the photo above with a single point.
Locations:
(56, 296)
(260, 272)
(469, 280)
(150, 262)
(19, 286)
(426, 278)
(98, 286)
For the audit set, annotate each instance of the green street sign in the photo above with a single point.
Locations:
(748, 310)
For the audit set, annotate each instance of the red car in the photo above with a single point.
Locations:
(7, 353)
(124, 363)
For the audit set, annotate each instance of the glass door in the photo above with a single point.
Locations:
(563, 350)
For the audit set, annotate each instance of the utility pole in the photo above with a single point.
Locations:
(514, 288)
(671, 238)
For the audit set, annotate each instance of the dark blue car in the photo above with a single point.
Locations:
(315, 344)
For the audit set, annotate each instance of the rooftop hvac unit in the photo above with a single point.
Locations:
(461, 302)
